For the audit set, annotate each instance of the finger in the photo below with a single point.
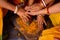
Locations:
(39, 20)
(30, 8)
(27, 8)
(29, 13)
(26, 19)
(33, 13)
(44, 22)
(35, 9)
(23, 18)
(26, 14)
(30, 2)
(40, 25)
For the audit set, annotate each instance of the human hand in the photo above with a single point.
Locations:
(40, 21)
(40, 12)
(34, 7)
(24, 16)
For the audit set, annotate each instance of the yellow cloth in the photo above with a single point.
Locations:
(49, 34)
(55, 18)
(47, 37)
(1, 23)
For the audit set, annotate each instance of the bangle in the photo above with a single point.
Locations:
(44, 3)
(16, 9)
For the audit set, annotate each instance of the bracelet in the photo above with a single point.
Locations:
(16, 9)
(44, 3)
(47, 10)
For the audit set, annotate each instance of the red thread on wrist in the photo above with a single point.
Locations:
(47, 10)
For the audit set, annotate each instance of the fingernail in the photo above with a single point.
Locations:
(28, 11)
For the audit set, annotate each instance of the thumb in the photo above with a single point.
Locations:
(45, 22)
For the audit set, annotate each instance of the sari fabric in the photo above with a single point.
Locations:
(1, 24)
(51, 33)
(55, 18)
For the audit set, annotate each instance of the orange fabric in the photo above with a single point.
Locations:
(55, 18)
(50, 34)
(1, 23)
(29, 28)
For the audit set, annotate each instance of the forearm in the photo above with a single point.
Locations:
(50, 2)
(7, 5)
(30, 2)
(53, 9)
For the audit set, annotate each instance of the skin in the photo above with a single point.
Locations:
(30, 2)
(55, 8)
(36, 7)
(21, 12)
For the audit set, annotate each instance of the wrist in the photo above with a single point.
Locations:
(17, 8)
(43, 11)
(11, 7)
(46, 11)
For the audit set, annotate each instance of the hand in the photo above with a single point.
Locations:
(40, 12)
(33, 13)
(34, 7)
(23, 15)
(40, 21)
